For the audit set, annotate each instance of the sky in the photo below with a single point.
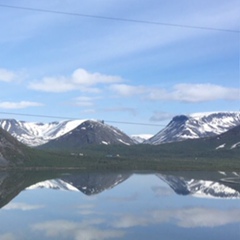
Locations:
(119, 61)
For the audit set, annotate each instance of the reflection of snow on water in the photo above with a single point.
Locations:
(231, 180)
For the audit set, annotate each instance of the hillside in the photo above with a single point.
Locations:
(11, 150)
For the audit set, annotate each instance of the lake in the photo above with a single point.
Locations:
(119, 205)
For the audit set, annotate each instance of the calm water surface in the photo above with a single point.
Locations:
(120, 205)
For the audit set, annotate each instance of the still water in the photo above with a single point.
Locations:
(120, 205)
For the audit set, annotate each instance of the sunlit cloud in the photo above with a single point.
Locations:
(87, 230)
(22, 206)
(19, 105)
(80, 79)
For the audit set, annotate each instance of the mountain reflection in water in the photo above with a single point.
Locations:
(136, 206)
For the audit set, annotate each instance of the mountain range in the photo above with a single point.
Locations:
(80, 133)
(223, 185)
(199, 186)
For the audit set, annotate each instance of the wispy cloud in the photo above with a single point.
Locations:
(87, 209)
(162, 191)
(186, 218)
(8, 236)
(77, 230)
(130, 110)
(80, 79)
(130, 198)
(85, 101)
(161, 116)
(6, 75)
(22, 206)
(10, 76)
(194, 93)
(19, 105)
(184, 92)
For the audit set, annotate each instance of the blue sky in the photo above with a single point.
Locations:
(83, 67)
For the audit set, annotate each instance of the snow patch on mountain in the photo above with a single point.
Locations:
(56, 184)
(235, 145)
(198, 125)
(221, 146)
(140, 138)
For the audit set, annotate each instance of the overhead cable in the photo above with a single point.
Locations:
(121, 19)
(70, 118)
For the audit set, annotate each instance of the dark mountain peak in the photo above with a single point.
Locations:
(180, 118)
(89, 132)
(94, 183)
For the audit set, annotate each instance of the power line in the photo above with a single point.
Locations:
(69, 118)
(121, 19)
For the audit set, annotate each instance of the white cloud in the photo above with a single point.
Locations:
(51, 84)
(82, 77)
(196, 93)
(22, 206)
(19, 105)
(7, 76)
(184, 92)
(77, 230)
(79, 80)
(127, 90)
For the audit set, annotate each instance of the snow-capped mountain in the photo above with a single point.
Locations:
(87, 183)
(140, 138)
(204, 188)
(196, 126)
(88, 133)
(35, 134)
